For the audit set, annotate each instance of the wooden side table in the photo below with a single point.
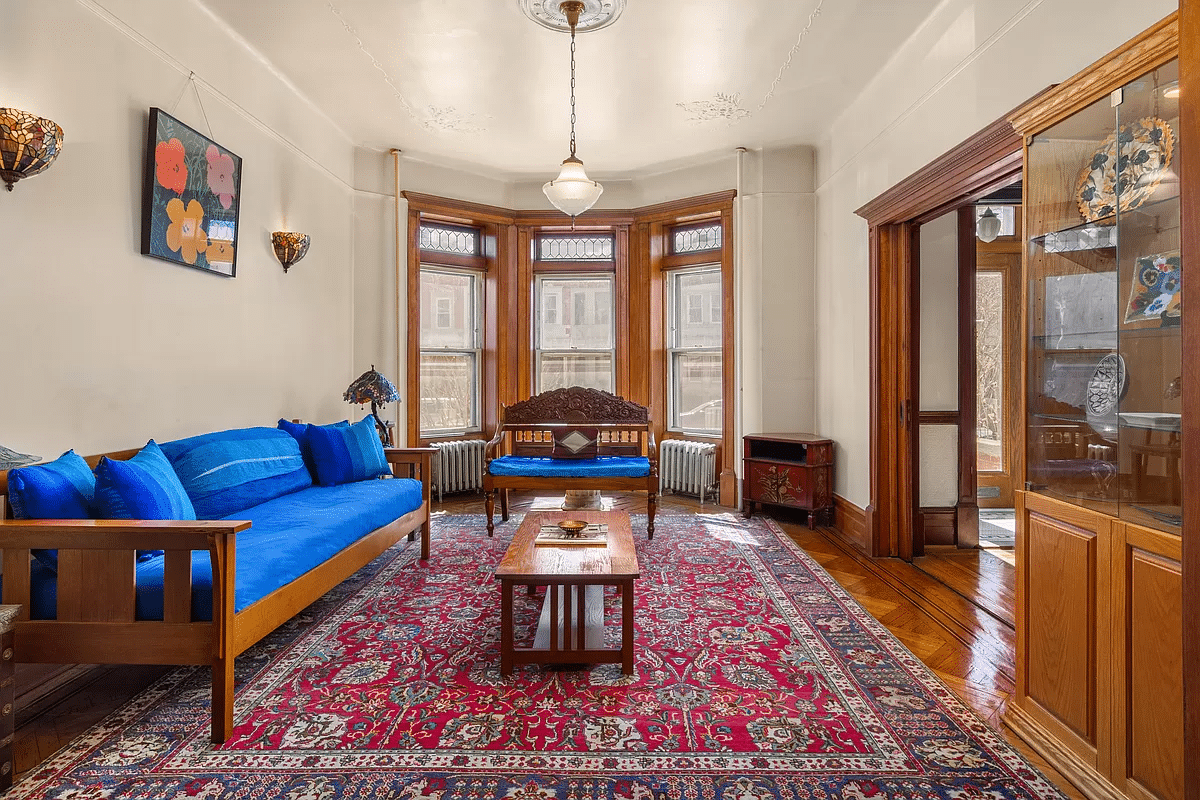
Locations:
(794, 470)
(8, 685)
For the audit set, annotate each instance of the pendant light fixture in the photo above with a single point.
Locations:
(987, 228)
(572, 192)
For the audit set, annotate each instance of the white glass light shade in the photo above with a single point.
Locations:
(572, 192)
(988, 227)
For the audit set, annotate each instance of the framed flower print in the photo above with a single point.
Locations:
(190, 197)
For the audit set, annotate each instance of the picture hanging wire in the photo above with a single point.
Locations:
(191, 81)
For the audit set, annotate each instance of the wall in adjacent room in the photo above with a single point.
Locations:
(107, 348)
(966, 66)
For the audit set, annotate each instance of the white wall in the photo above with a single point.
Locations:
(107, 348)
(968, 65)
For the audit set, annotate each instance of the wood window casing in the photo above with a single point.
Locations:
(640, 256)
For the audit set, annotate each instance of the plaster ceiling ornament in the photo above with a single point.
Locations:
(594, 15)
(448, 118)
(724, 105)
(436, 118)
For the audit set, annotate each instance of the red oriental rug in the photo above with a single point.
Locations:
(757, 677)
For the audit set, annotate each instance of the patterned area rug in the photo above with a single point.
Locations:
(757, 677)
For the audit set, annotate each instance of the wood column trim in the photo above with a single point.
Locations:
(413, 311)
(730, 447)
(967, 519)
(1189, 124)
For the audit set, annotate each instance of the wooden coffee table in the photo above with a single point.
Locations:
(571, 629)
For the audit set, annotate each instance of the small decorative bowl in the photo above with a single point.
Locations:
(572, 527)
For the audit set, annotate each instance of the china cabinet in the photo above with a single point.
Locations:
(1099, 623)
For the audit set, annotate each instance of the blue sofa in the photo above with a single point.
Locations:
(270, 540)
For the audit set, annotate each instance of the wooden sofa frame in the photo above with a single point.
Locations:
(96, 587)
(527, 429)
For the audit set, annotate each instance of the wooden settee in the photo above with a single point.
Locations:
(96, 623)
(527, 430)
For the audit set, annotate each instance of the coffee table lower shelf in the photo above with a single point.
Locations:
(571, 627)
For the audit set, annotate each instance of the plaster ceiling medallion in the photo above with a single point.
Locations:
(724, 105)
(596, 14)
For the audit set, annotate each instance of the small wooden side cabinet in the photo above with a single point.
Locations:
(794, 470)
(8, 615)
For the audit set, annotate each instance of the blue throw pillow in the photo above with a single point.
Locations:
(344, 455)
(229, 471)
(144, 487)
(299, 432)
(62, 489)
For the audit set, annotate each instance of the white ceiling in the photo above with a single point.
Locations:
(476, 82)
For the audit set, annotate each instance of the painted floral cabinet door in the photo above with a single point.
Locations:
(788, 469)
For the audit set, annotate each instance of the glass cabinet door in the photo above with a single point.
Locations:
(1149, 276)
(1104, 358)
(1071, 439)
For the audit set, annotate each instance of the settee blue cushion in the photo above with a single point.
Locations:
(352, 453)
(299, 432)
(62, 489)
(144, 487)
(601, 467)
(227, 471)
(290, 535)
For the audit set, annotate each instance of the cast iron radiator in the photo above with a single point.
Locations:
(458, 466)
(688, 467)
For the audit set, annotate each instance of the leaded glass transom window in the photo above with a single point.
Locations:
(576, 248)
(448, 239)
(696, 239)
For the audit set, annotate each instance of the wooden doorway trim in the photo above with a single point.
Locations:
(983, 163)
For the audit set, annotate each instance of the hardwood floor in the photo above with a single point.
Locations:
(978, 575)
(967, 647)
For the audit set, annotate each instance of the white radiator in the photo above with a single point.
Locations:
(689, 467)
(458, 466)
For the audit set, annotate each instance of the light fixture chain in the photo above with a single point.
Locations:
(572, 91)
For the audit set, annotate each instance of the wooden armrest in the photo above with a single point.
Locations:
(491, 446)
(419, 461)
(116, 534)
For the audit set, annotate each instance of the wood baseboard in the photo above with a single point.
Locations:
(1082, 775)
(850, 523)
(939, 525)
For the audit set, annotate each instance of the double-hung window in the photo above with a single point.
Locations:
(574, 337)
(574, 331)
(451, 334)
(694, 349)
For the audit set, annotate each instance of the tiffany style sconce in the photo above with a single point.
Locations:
(289, 247)
(371, 387)
(28, 145)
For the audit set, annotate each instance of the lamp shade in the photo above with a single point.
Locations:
(289, 247)
(572, 192)
(370, 387)
(988, 226)
(28, 145)
(10, 459)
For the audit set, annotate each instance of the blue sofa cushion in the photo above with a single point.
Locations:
(602, 467)
(342, 455)
(299, 432)
(290, 536)
(227, 471)
(144, 487)
(62, 489)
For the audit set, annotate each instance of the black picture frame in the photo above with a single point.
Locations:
(191, 197)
